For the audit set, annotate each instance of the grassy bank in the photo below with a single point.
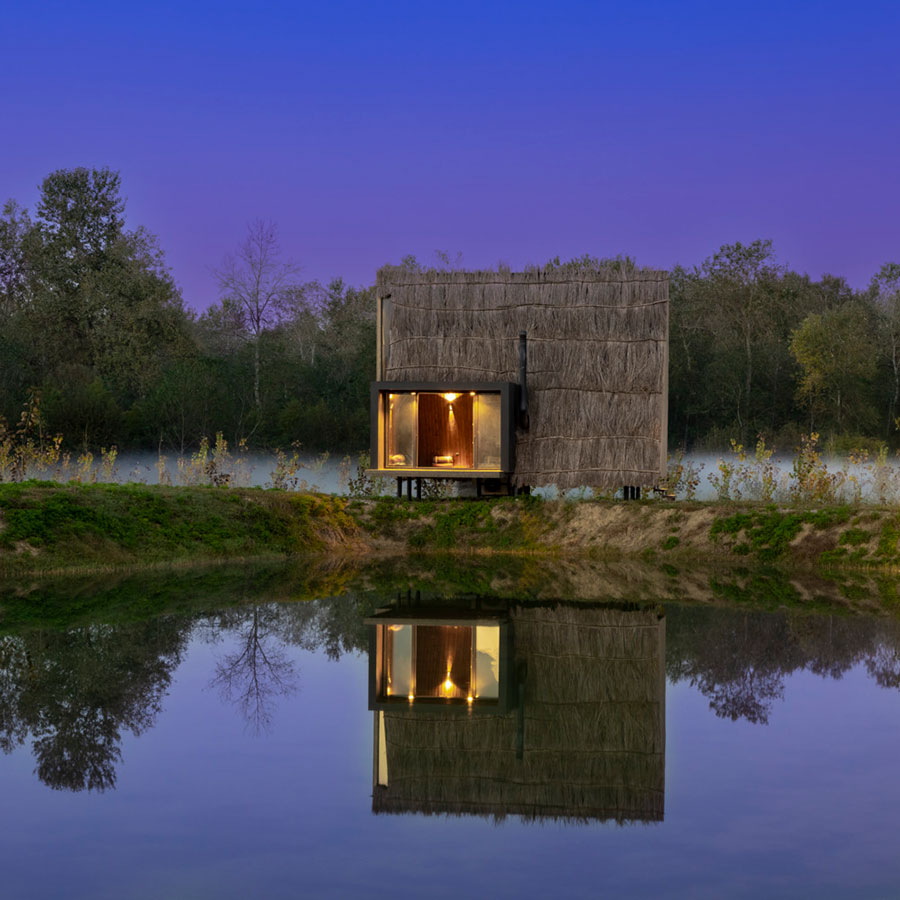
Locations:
(122, 597)
(51, 527)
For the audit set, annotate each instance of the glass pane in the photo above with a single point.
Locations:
(487, 431)
(401, 432)
(398, 661)
(487, 662)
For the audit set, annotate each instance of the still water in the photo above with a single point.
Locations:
(257, 751)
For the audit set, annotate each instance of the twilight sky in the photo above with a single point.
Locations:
(510, 131)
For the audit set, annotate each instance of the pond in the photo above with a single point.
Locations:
(283, 749)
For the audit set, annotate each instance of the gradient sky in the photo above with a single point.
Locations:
(505, 131)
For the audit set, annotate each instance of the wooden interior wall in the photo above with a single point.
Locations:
(442, 434)
(435, 646)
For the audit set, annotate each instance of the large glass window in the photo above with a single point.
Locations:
(450, 430)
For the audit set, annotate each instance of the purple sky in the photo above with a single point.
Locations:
(506, 131)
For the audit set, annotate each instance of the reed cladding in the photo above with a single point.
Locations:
(594, 729)
(597, 361)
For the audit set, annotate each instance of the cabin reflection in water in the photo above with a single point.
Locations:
(544, 711)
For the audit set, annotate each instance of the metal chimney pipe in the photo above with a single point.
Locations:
(523, 377)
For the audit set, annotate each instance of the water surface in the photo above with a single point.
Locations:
(232, 752)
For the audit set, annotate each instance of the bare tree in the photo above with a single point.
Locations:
(258, 671)
(257, 280)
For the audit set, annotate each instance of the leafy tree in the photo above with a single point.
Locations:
(741, 279)
(98, 296)
(76, 692)
(885, 290)
(78, 404)
(192, 398)
(731, 371)
(834, 350)
(15, 224)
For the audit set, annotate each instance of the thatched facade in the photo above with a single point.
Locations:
(597, 361)
(586, 742)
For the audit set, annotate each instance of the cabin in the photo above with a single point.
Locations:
(522, 379)
(546, 711)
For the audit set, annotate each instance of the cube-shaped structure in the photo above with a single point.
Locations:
(456, 398)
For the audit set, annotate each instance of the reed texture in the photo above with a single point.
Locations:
(597, 361)
(593, 736)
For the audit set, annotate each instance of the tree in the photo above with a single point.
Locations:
(741, 277)
(100, 296)
(731, 372)
(885, 290)
(835, 352)
(724, 316)
(256, 280)
(15, 225)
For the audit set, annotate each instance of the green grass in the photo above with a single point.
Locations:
(855, 536)
(768, 533)
(51, 525)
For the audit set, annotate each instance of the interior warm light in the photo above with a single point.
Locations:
(410, 698)
(469, 699)
(448, 685)
(388, 690)
(449, 397)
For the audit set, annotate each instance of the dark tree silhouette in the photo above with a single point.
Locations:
(77, 692)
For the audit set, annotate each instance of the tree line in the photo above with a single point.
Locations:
(95, 334)
(93, 325)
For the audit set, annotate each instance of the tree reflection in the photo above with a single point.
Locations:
(77, 692)
(884, 666)
(740, 659)
(258, 671)
(748, 694)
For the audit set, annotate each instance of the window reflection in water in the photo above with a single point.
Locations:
(451, 662)
(551, 712)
